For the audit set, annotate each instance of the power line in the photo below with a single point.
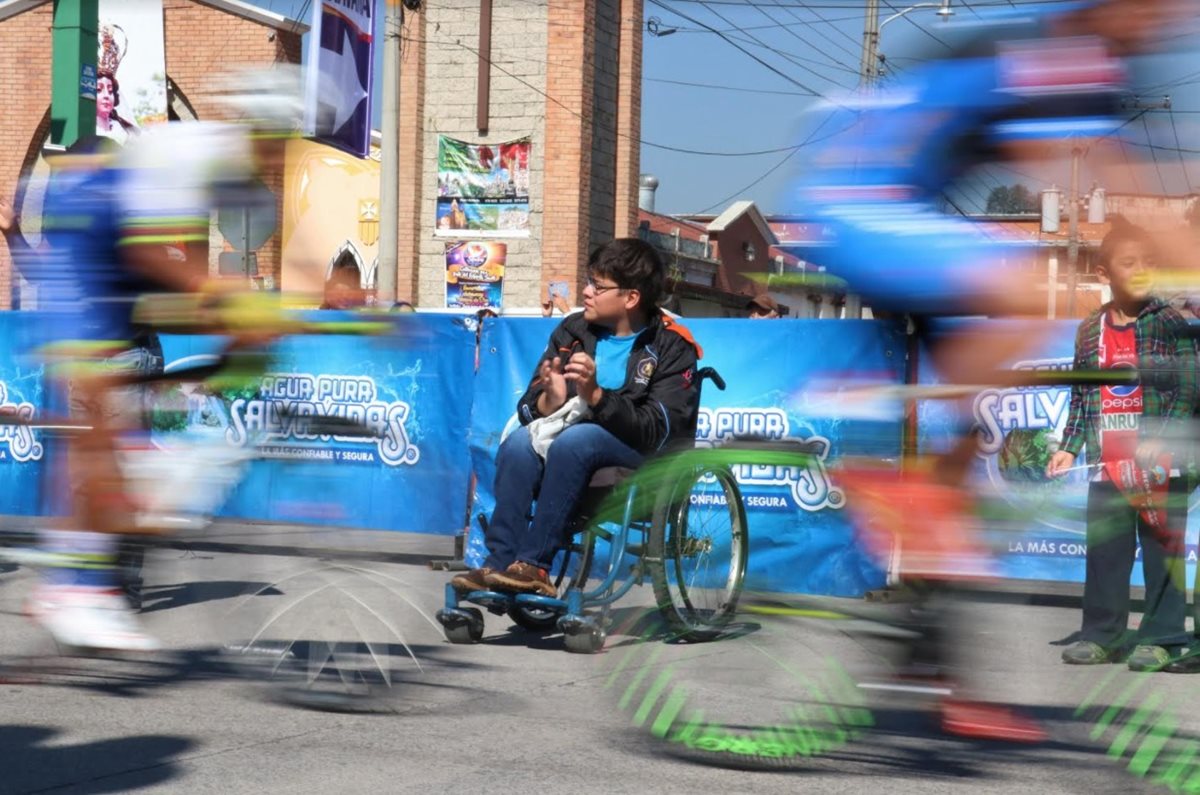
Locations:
(811, 139)
(1153, 155)
(577, 114)
(739, 89)
(763, 11)
(760, 42)
(694, 21)
(1182, 162)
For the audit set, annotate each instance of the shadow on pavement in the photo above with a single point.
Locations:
(32, 764)
(167, 597)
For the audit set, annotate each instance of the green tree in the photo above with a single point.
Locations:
(1012, 200)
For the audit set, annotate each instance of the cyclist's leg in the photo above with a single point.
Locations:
(81, 604)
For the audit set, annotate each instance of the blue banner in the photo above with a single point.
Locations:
(412, 389)
(24, 452)
(1040, 531)
(509, 350)
(800, 535)
(340, 74)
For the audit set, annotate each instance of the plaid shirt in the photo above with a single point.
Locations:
(1170, 385)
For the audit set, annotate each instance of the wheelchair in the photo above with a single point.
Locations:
(679, 520)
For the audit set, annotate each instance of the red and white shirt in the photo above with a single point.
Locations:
(1121, 405)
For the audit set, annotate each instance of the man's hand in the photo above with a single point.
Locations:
(1060, 462)
(554, 386)
(8, 217)
(581, 371)
(1148, 453)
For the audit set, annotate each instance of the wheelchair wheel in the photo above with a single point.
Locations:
(697, 553)
(541, 620)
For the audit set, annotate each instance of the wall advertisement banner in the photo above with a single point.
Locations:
(483, 189)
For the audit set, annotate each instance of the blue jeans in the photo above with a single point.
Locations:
(557, 484)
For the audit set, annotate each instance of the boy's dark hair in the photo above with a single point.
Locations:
(1123, 231)
(634, 265)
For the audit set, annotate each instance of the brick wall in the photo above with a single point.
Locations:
(570, 80)
(629, 119)
(25, 57)
(413, 212)
(200, 41)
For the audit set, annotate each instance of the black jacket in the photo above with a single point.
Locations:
(660, 399)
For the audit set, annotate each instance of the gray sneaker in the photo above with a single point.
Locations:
(1149, 658)
(1085, 652)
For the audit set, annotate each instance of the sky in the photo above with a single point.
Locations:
(737, 99)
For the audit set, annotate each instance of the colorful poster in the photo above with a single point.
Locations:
(340, 59)
(475, 275)
(483, 189)
(131, 71)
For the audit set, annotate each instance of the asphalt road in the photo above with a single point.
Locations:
(516, 713)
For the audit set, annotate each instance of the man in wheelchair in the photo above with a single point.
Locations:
(617, 382)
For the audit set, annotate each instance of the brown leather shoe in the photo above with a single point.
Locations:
(523, 578)
(473, 580)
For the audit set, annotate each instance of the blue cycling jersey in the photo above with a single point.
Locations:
(876, 185)
(79, 274)
(1012, 83)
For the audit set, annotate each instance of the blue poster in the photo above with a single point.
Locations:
(800, 535)
(411, 389)
(1038, 526)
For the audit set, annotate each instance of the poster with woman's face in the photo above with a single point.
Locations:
(131, 71)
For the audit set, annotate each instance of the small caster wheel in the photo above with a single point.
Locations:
(533, 619)
(588, 641)
(462, 624)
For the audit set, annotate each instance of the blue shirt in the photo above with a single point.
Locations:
(612, 359)
(81, 278)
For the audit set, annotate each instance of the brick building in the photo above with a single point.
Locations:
(202, 37)
(565, 73)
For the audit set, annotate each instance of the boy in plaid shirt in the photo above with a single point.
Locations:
(1127, 432)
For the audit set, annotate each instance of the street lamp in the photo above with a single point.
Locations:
(871, 57)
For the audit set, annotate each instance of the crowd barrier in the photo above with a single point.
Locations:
(442, 393)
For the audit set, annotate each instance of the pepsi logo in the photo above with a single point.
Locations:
(1123, 390)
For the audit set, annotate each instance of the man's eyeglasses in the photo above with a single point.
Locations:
(599, 289)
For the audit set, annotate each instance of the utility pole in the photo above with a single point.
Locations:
(73, 70)
(1073, 229)
(389, 160)
(870, 50)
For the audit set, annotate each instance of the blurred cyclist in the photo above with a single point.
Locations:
(116, 227)
(1016, 91)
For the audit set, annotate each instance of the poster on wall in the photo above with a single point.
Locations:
(131, 71)
(483, 189)
(475, 275)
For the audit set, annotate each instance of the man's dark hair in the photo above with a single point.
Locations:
(1123, 231)
(633, 265)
